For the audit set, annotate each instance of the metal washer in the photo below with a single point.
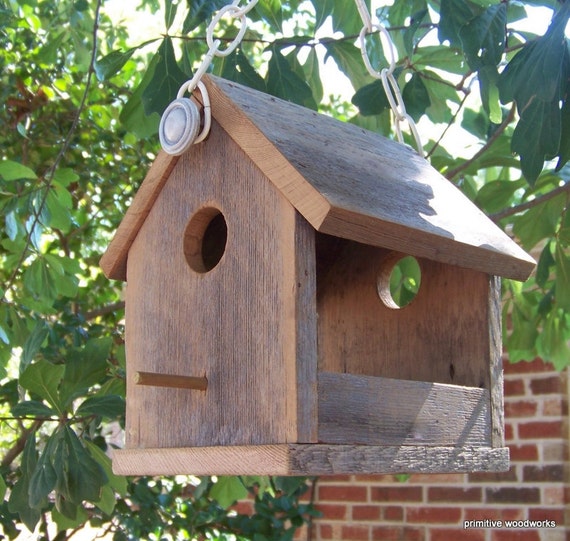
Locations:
(179, 126)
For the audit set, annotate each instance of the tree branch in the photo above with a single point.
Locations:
(19, 445)
(530, 204)
(104, 310)
(449, 124)
(454, 172)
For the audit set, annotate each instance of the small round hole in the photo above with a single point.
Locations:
(205, 239)
(399, 281)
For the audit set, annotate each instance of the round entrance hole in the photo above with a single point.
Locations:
(399, 281)
(205, 239)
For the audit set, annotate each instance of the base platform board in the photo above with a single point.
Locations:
(309, 459)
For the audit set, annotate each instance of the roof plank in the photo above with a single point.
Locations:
(346, 181)
(352, 183)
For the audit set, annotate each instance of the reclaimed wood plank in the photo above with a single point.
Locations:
(382, 411)
(290, 459)
(353, 183)
(441, 336)
(234, 324)
(495, 342)
(114, 260)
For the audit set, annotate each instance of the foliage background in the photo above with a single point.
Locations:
(80, 101)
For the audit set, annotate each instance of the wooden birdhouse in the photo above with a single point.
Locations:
(261, 336)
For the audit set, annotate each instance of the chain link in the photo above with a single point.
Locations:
(386, 75)
(180, 122)
(234, 11)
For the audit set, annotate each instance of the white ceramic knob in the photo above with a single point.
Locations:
(179, 126)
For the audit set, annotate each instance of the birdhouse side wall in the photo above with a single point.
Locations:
(242, 325)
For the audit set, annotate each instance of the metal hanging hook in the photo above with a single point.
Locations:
(181, 121)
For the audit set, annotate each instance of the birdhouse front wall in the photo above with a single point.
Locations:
(241, 324)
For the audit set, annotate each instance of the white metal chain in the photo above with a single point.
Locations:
(214, 44)
(386, 75)
(178, 130)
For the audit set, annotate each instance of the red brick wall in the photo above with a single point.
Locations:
(434, 507)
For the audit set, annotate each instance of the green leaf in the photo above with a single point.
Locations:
(43, 378)
(32, 408)
(497, 195)
(170, 8)
(312, 74)
(66, 523)
(201, 11)
(227, 490)
(562, 287)
(539, 222)
(564, 150)
(563, 233)
(443, 58)
(10, 170)
(133, 115)
(323, 9)
(440, 92)
(545, 263)
(535, 79)
(537, 137)
(43, 479)
(64, 176)
(236, 67)
(19, 499)
(552, 343)
(4, 336)
(86, 368)
(33, 344)
(11, 227)
(39, 281)
(59, 212)
(290, 485)
(416, 97)
(283, 82)
(118, 483)
(111, 64)
(521, 342)
(3, 488)
(107, 501)
(410, 39)
(349, 61)
(271, 12)
(262, 482)
(345, 19)
(371, 99)
(110, 406)
(453, 15)
(167, 78)
(488, 77)
(483, 37)
(79, 476)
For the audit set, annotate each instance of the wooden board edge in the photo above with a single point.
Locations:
(230, 460)
(234, 120)
(373, 459)
(309, 459)
(114, 260)
(496, 363)
(352, 225)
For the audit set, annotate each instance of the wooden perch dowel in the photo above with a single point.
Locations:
(168, 380)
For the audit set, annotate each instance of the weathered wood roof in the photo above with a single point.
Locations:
(347, 182)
